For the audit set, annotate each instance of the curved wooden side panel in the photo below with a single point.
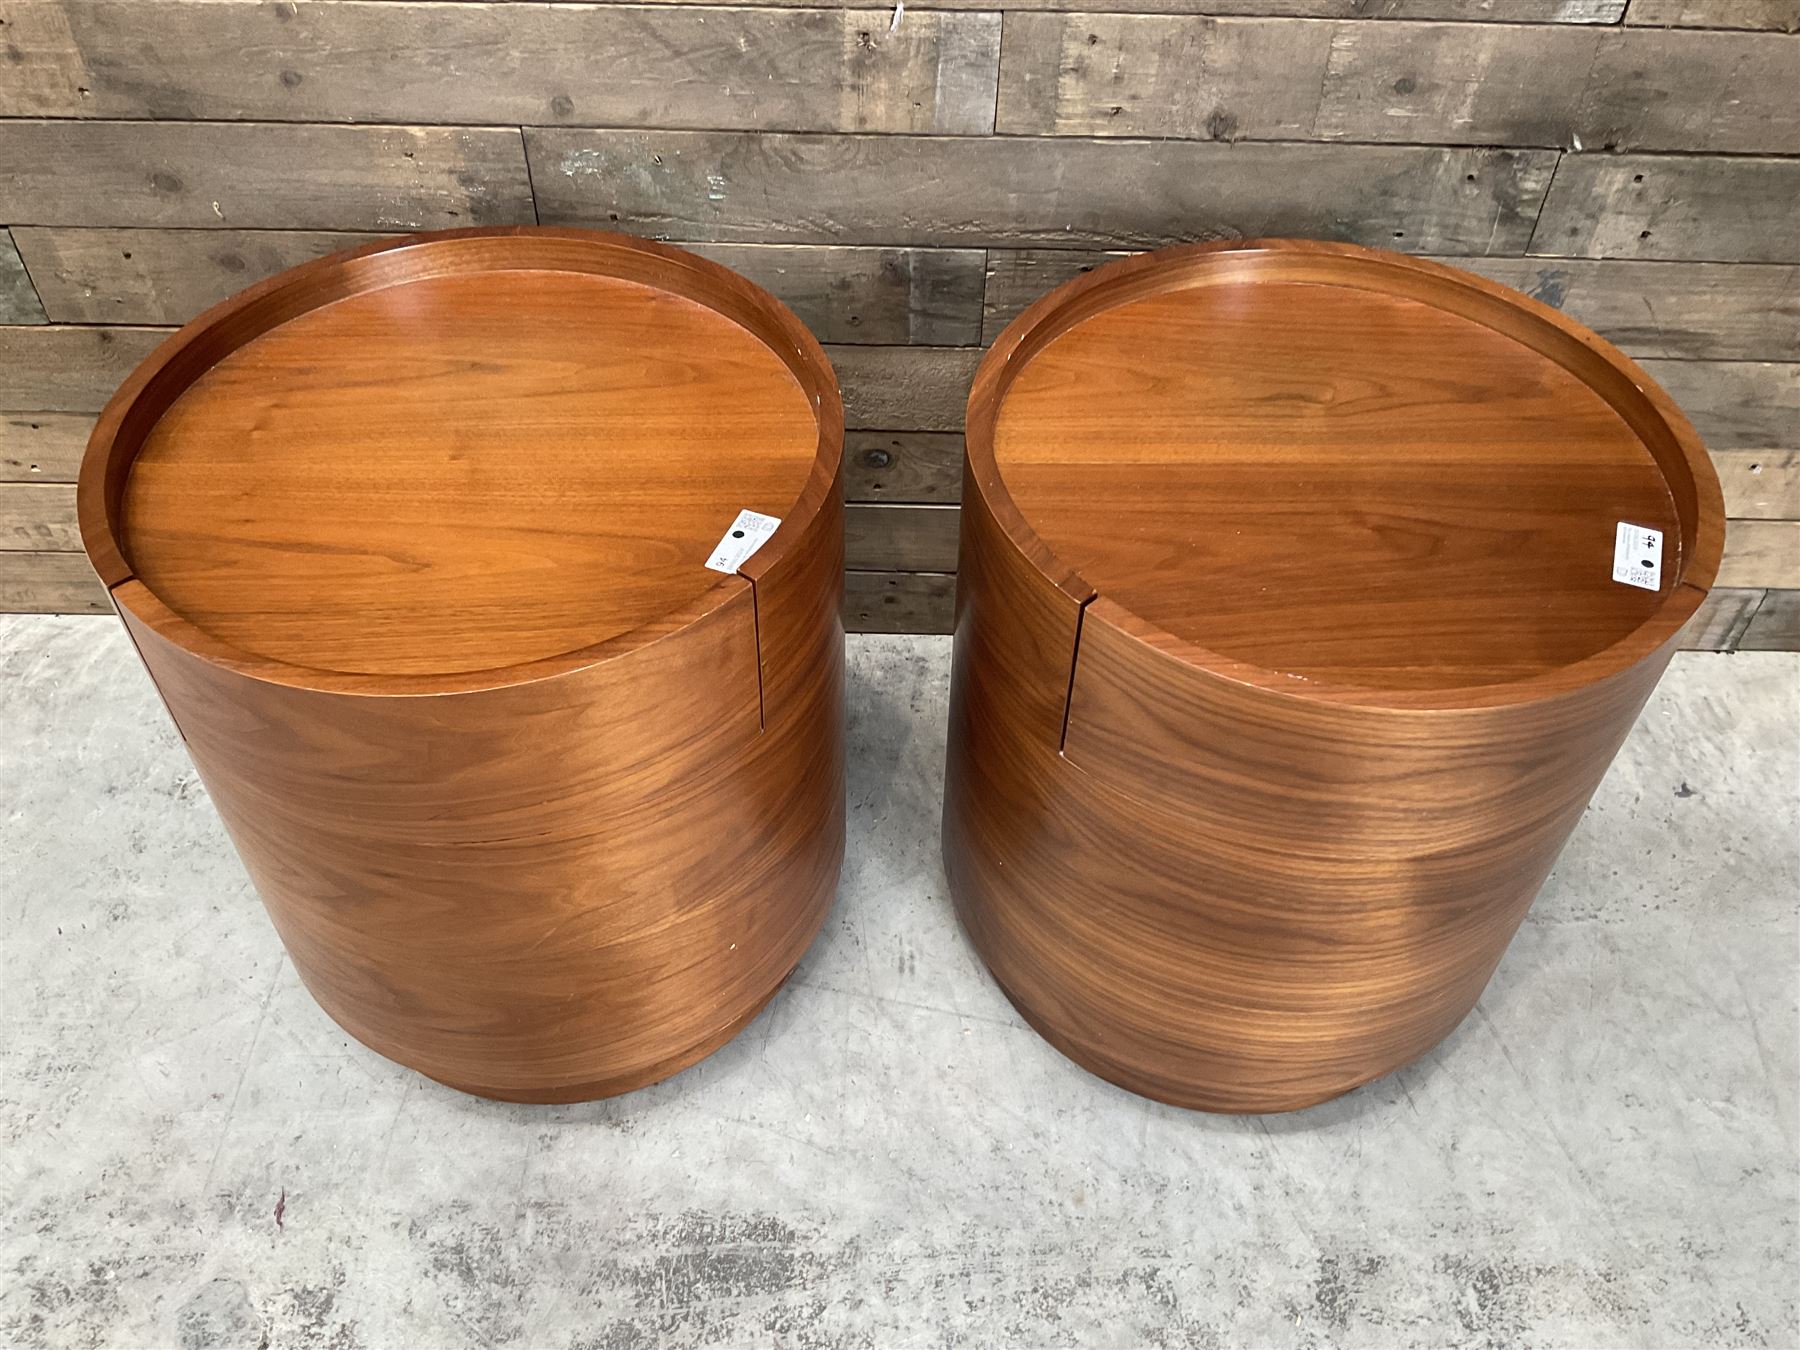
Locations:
(1223, 897)
(1015, 645)
(545, 891)
(799, 602)
(1334, 780)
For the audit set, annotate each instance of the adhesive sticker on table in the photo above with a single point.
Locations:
(749, 532)
(1637, 556)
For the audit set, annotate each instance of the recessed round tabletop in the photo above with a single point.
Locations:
(423, 545)
(1297, 465)
(1295, 630)
(490, 455)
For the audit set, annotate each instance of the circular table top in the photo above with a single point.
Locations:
(1331, 468)
(490, 451)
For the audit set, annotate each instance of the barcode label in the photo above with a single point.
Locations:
(749, 532)
(1637, 556)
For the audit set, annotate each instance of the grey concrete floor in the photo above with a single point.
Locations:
(192, 1154)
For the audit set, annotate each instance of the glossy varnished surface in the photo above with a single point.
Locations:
(460, 472)
(548, 891)
(541, 807)
(1235, 827)
(1333, 483)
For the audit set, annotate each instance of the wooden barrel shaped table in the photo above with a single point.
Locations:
(1306, 593)
(428, 548)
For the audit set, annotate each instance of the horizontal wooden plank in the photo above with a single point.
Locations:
(926, 296)
(1747, 404)
(1775, 627)
(402, 61)
(160, 276)
(1760, 484)
(1691, 311)
(1016, 277)
(1463, 83)
(1719, 624)
(252, 175)
(42, 447)
(877, 295)
(916, 388)
(1701, 311)
(1164, 75)
(887, 466)
(1472, 11)
(879, 466)
(1758, 553)
(1696, 207)
(1735, 404)
(1727, 93)
(75, 369)
(50, 583)
(38, 517)
(899, 602)
(1602, 89)
(900, 538)
(1062, 191)
(65, 369)
(1415, 83)
(1776, 16)
(902, 466)
(18, 301)
(1761, 553)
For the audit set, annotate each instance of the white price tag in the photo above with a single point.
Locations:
(749, 532)
(1637, 556)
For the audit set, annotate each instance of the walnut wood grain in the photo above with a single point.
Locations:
(884, 466)
(861, 295)
(258, 503)
(1248, 871)
(49, 583)
(560, 821)
(1727, 208)
(1775, 627)
(1779, 16)
(899, 602)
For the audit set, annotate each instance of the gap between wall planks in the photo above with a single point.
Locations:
(1633, 164)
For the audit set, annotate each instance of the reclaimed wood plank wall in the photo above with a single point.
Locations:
(908, 182)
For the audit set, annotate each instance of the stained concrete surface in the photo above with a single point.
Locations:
(193, 1155)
